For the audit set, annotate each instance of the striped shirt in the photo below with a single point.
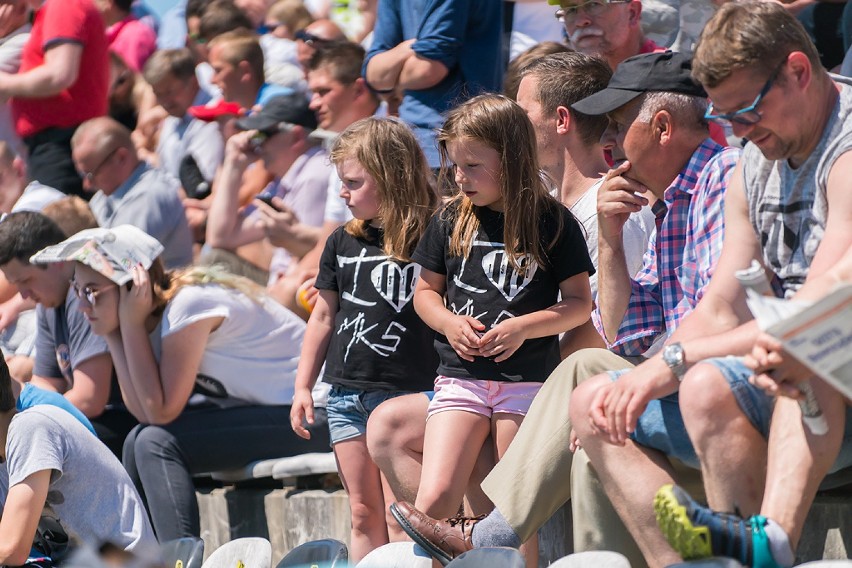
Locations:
(682, 253)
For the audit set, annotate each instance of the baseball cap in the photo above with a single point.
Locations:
(668, 71)
(209, 113)
(111, 252)
(292, 109)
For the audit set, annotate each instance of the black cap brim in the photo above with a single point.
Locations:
(256, 121)
(605, 101)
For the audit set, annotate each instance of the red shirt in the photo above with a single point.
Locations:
(56, 22)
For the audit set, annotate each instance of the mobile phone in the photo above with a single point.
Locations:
(268, 200)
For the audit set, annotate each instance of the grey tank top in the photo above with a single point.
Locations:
(788, 207)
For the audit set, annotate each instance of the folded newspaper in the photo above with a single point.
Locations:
(819, 336)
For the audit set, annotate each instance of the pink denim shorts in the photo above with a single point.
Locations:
(482, 397)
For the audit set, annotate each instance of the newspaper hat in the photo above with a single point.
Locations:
(668, 71)
(111, 252)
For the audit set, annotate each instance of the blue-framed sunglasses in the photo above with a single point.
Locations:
(748, 115)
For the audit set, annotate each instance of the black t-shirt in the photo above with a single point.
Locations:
(378, 341)
(484, 285)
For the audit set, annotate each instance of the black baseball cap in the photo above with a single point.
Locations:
(668, 71)
(292, 109)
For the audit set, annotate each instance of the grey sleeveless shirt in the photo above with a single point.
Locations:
(788, 207)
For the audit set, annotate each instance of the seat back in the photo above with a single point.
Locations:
(242, 553)
(185, 552)
(497, 557)
(327, 552)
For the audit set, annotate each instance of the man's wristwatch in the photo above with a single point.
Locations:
(675, 358)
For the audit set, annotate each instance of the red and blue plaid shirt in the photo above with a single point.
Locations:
(682, 253)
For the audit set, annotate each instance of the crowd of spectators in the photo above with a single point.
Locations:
(494, 241)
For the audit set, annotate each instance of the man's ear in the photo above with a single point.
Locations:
(800, 68)
(662, 127)
(634, 8)
(563, 120)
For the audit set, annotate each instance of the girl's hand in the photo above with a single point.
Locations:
(463, 334)
(503, 340)
(302, 411)
(136, 304)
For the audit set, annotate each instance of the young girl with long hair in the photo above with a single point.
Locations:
(205, 361)
(494, 263)
(363, 325)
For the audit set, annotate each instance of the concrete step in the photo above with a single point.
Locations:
(288, 517)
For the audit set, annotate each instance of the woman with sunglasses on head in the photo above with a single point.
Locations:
(205, 360)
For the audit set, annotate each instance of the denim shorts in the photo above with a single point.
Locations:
(661, 425)
(349, 409)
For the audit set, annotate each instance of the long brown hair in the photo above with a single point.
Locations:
(388, 151)
(499, 123)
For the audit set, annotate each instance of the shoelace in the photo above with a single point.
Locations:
(464, 521)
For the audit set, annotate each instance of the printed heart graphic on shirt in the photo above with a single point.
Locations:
(395, 284)
(497, 270)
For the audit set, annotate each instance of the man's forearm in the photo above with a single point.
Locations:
(384, 68)
(421, 73)
(223, 220)
(614, 286)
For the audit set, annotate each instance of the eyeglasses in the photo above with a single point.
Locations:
(310, 38)
(90, 175)
(195, 37)
(748, 115)
(593, 8)
(89, 293)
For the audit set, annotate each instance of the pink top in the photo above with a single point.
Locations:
(133, 40)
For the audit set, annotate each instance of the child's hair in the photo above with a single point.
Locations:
(166, 284)
(291, 13)
(388, 151)
(499, 123)
(72, 214)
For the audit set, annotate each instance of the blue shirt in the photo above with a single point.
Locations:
(33, 396)
(464, 35)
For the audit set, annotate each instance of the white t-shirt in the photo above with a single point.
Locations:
(636, 233)
(254, 353)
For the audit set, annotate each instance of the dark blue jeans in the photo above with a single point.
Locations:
(161, 460)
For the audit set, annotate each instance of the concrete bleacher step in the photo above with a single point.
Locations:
(281, 468)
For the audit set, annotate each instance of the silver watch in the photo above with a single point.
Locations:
(675, 358)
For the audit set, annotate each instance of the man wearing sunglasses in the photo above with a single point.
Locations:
(318, 34)
(611, 29)
(281, 135)
(788, 208)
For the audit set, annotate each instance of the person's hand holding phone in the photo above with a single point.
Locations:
(278, 220)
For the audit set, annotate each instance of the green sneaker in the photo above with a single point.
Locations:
(695, 531)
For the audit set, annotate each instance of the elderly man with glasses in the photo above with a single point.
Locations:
(611, 29)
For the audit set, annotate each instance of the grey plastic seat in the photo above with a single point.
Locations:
(328, 553)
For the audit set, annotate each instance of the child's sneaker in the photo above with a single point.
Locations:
(695, 531)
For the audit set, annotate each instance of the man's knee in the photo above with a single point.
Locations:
(706, 394)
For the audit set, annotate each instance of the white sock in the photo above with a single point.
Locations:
(779, 544)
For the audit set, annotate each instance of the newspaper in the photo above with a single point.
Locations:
(820, 337)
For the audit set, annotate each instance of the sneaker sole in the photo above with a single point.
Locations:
(690, 541)
(418, 538)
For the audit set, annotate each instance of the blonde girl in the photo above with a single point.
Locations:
(494, 263)
(363, 325)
